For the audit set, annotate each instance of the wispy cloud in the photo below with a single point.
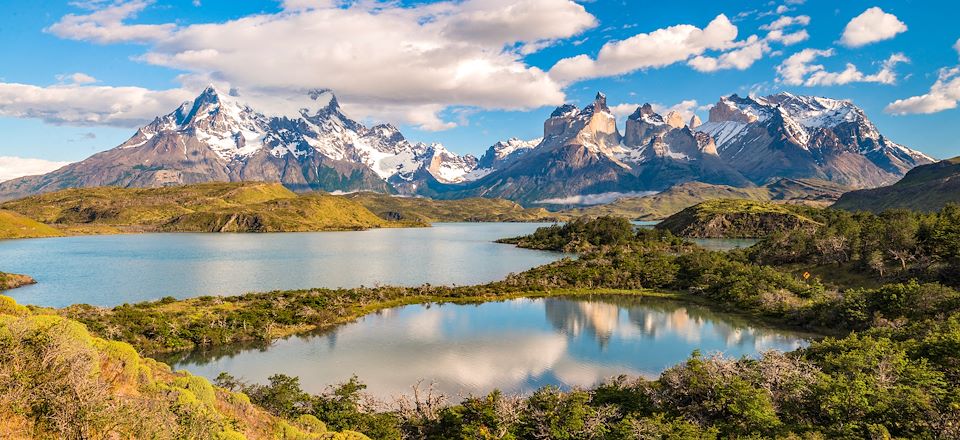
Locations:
(12, 167)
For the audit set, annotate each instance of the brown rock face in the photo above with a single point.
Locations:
(695, 122)
(723, 112)
(643, 126)
(674, 120)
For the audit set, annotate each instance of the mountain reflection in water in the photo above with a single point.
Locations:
(515, 346)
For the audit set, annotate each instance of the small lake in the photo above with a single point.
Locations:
(110, 270)
(515, 346)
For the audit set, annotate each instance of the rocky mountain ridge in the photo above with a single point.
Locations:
(746, 142)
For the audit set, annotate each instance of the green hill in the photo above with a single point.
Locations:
(658, 206)
(925, 188)
(209, 207)
(726, 218)
(420, 209)
(58, 381)
(14, 225)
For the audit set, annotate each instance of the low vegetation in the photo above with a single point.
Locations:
(893, 246)
(58, 381)
(209, 207)
(579, 235)
(890, 369)
(424, 210)
(12, 280)
(731, 218)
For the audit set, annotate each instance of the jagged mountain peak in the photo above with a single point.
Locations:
(325, 101)
(599, 105)
(747, 140)
(647, 113)
(565, 111)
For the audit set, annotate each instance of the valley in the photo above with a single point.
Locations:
(479, 220)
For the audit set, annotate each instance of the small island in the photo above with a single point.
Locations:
(10, 281)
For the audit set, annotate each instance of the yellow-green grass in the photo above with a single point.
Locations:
(421, 209)
(735, 218)
(14, 225)
(62, 382)
(208, 207)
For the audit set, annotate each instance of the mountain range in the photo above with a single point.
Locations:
(746, 142)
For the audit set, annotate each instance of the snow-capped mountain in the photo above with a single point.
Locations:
(217, 137)
(746, 142)
(785, 135)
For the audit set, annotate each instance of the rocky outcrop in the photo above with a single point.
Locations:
(694, 121)
(643, 125)
(674, 120)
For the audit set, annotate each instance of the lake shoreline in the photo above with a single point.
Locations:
(10, 281)
(351, 313)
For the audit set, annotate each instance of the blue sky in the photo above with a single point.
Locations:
(79, 77)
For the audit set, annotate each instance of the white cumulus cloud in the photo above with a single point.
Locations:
(12, 167)
(943, 95)
(105, 24)
(739, 59)
(787, 21)
(799, 69)
(871, 26)
(74, 104)
(594, 199)
(659, 48)
(383, 59)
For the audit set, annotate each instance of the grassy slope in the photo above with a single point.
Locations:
(14, 225)
(465, 210)
(212, 207)
(726, 218)
(925, 188)
(58, 381)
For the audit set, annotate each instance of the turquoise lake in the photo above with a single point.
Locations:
(110, 270)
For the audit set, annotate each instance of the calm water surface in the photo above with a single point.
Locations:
(116, 269)
(515, 346)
